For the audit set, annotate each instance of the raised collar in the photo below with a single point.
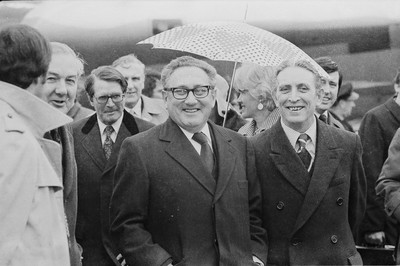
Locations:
(39, 115)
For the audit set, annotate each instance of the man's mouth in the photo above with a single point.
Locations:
(59, 103)
(295, 108)
(191, 110)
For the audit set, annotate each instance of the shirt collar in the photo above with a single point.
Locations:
(116, 125)
(205, 130)
(31, 108)
(138, 108)
(293, 135)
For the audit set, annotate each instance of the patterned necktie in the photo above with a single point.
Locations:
(302, 152)
(206, 154)
(323, 118)
(108, 143)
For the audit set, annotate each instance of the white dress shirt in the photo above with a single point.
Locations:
(116, 126)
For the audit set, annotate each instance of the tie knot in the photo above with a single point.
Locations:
(200, 138)
(108, 130)
(302, 140)
(323, 118)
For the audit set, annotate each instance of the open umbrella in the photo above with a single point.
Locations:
(231, 41)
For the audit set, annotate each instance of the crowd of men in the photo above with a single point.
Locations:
(142, 181)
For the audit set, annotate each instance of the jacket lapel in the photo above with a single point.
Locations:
(327, 159)
(91, 142)
(226, 160)
(184, 153)
(287, 161)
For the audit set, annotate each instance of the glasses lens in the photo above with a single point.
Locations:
(180, 93)
(200, 92)
(116, 98)
(102, 99)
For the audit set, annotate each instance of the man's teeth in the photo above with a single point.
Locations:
(294, 108)
(191, 110)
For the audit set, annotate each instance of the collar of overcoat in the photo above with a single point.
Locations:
(91, 142)
(183, 152)
(327, 159)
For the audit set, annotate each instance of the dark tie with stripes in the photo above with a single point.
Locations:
(108, 143)
(302, 152)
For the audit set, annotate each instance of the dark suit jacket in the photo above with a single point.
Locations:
(388, 184)
(311, 224)
(166, 204)
(376, 132)
(95, 184)
(233, 120)
(69, 176)
(334, 122)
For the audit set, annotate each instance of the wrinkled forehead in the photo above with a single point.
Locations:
(188, 76)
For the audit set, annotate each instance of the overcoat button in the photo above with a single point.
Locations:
(334, 239)
(339, 201)
(280, 205)
(295, 241)
(9, 115)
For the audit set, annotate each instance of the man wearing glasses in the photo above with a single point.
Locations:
(97, 140)
(185, 192)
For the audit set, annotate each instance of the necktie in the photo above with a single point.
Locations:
(206, 154)
(323, 118)
(302, 152)
(108, 143)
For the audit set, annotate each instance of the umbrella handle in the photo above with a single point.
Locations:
(229, 93)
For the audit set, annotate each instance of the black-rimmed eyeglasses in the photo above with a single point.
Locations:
(116, 98)
(182, 92)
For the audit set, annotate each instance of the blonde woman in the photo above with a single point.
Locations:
(255, 84)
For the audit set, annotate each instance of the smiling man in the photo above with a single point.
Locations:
(329, 92)
(312, 180)
(135, 103)
(185, 191)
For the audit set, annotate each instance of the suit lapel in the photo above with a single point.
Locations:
(184, 153)
(91, 143)
(287, 161)
(327, 159)
(226, 160)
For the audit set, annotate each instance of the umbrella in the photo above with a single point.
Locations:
(231, 41)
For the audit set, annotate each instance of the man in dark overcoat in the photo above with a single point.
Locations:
(96, 163)
(185, 191)
(312, 179)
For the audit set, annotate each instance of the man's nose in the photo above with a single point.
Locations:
(110, 102)
(61, 87)
(191, 98)
(294, 95)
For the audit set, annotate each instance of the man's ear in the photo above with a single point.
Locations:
(90, 100)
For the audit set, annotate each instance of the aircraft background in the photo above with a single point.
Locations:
(363, 37)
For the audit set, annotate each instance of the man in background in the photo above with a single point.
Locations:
(146, 108)
(329, 91)
(97, 142)
(33, 228)
(377, 129)
(344, 104)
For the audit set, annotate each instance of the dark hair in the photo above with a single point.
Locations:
(329, 66)
(150, 83)
(106, 73)
(25, 55)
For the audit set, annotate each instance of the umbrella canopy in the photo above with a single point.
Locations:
(231, 41)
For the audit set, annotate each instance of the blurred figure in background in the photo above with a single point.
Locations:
(148, 109)
(377, 129)
(233, 120)
(152, 85)
(344, 104)
(255, 85)
(33, 228)
(329, 92)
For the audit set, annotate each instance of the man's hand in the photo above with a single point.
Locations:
(375, 239)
